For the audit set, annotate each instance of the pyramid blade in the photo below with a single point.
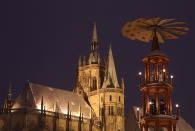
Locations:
(166, 21)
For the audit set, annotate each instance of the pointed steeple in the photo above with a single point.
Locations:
(94, 55)
(94, 36)
(80, 61)
(110, 75)
(94, 43)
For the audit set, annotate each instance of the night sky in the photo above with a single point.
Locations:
(41, 41)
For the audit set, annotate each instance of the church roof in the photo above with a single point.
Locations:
(110, 76)
(31, 96)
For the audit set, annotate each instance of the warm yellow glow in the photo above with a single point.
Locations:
(150, 103)
(137, 109)
(52, 109)
(140, 73)
(164, 70)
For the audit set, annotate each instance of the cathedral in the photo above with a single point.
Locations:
(95, 104)
(97, 100)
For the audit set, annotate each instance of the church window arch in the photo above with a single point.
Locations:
(110, 97)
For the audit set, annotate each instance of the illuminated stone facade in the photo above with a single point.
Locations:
(96, 103)
(97, 79)
(40, 107)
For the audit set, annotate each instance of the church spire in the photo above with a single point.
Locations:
(94, 44)
(110, 76)
(94, 36)
(94, 56)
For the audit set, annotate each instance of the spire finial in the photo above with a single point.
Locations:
(42, 105)
(94, 37)
(123, 84)
(110, 46)
(10, 90)
(80, 61)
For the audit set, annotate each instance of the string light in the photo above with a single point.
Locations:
(171, 76)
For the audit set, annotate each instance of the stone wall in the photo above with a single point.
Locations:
(34, 121)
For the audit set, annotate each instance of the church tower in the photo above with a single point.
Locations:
(112, 98)
(91, 68)
(97, 81)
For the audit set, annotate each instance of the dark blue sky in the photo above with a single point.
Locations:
(41, 41)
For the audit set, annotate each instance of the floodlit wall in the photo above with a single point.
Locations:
(32, 121)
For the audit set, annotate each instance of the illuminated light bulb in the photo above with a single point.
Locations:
(137, 108)
(177, 105)
(150, 103)
(164, 70)
(171, 76)
(140, 73)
